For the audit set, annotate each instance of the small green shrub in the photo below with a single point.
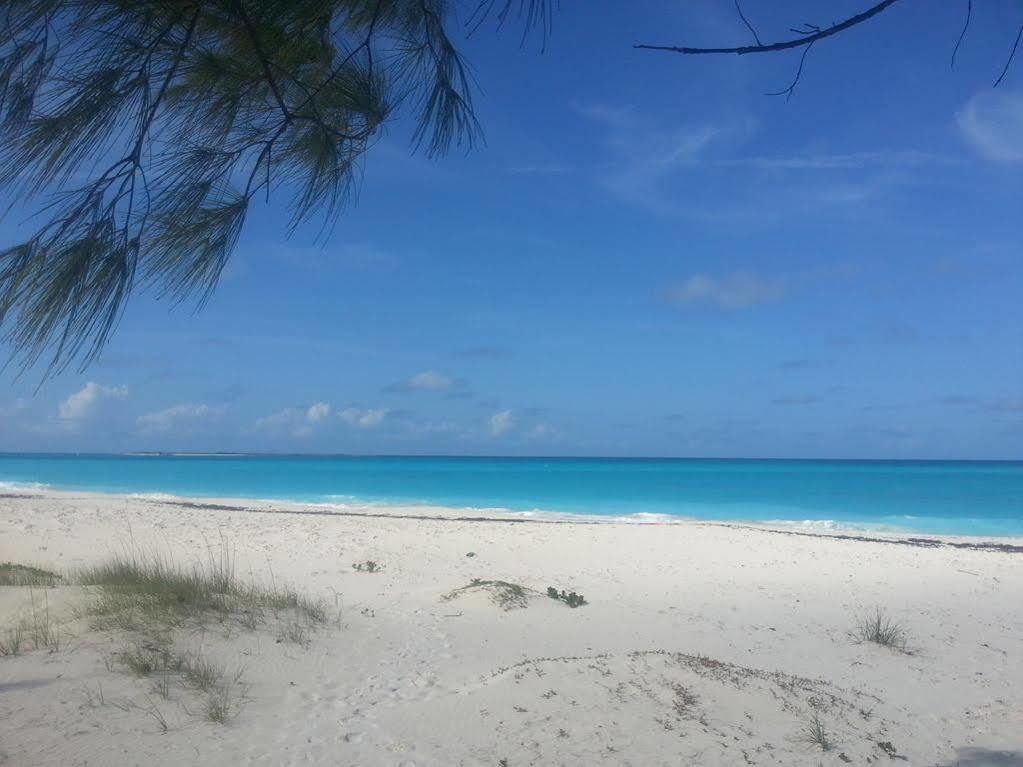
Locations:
(369, 566)
(570, 598)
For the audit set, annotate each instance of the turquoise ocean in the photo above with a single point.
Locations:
(943, 497)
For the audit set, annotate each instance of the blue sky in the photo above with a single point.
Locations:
(648, 257)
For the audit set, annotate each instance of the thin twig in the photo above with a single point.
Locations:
(966, 25)
(787, 92)
(1005, 69)
(746, 22)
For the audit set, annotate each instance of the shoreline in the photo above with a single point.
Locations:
(1011, 544)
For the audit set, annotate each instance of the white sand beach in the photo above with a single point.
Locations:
(700, 644)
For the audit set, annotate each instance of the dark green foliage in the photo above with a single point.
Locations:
(151, 126)
(570, 598)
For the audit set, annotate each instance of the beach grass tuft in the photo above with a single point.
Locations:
(816, 733)
(36, 631)
(13, 574)
(220, 705)
(883, 630)
(139, 590)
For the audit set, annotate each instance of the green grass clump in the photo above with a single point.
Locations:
(13, 574)
(881, 629)
(817, 734)
(220, 706)
(138, 590)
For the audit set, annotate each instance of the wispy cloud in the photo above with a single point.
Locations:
(364, 419)
(500, 423)
(540, 169)
(300, 421)
(175, 417)
(796, 399)
(317, 412)
(427, 381)
(81, 404)
(544, 432)
(957, 400)
(643, 154)
(1014, 405)
(734, 291)
(992, 124)
(883, 158)
(484, 352)
(15, 407)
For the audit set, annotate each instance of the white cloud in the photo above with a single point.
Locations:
(735, 291)
(501, 422)
(300, 420)
(428, 380)
(992, 124)
(80, 404)
(364, 419)
(317, 412)
(177, 415)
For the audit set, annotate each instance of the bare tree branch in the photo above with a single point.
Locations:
(799, 42)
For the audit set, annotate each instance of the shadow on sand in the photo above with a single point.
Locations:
(982, 757)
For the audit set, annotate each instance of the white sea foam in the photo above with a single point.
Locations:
(829, 525)
(23, 486)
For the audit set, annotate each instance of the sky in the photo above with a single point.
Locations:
(648, 257)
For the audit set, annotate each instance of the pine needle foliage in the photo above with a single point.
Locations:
(146, 128)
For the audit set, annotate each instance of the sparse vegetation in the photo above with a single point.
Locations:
(881, 629)
(201, 673)
(36, 631)
(13, 574)
(13, 638)
(220, 706)
(816, 733)
(294, 633)
(142, 592)
(506, 595)
(684, 701)
(145, 659)
(369, 566)
(570, 598)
